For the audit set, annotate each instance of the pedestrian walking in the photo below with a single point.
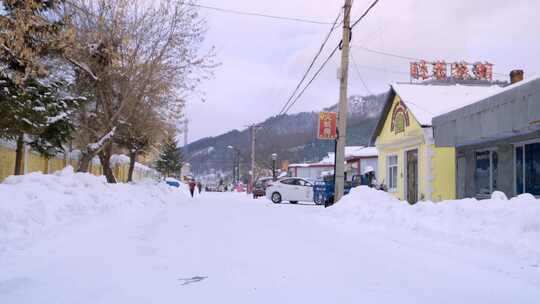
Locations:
(192, 185)
(199, 187)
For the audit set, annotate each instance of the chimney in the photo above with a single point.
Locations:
(516, 76)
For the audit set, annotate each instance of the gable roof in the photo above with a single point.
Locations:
(425, 101)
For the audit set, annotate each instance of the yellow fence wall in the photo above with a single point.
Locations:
(7, 162)
(33, 162)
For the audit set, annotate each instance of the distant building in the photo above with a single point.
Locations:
(310, 170)
(497, 141)
(409, 164)
(358, 158)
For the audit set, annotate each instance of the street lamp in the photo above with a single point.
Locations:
(274, 158)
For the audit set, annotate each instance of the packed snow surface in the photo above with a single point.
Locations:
(72, 238)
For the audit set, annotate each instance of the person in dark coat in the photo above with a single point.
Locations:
(369, 178)
(199, 187)
(192, 185)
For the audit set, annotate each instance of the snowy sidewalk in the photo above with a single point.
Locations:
(229, 248)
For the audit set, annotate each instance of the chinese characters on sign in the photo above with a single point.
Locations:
(438, 70)
(327, 126)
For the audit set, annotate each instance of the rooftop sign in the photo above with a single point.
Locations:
(441, 70)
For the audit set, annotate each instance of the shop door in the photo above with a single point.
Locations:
(412, 176)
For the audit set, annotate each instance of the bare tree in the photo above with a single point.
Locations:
(133, 54)
(139, 134)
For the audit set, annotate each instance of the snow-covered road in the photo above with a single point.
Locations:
(228, 248)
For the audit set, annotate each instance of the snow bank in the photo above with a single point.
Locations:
(33, 203)
(501, 224)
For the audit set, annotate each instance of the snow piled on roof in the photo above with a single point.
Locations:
(428, 101)
(352, 152)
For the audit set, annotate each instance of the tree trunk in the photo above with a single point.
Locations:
(105, 159)
(19, 154)
(92, 150)
(132, 160)
(84, 162)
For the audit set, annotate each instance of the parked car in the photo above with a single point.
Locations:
(259, 190)
(291, 189)
(172, 182)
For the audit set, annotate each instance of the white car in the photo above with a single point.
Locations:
(291, 189)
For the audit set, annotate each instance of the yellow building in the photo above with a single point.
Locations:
(410, 165)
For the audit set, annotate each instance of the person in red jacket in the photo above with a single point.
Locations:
(192, 185)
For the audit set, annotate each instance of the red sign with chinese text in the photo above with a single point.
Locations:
(327, 126)
(438, 70)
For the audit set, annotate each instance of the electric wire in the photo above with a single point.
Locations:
(388, 54)
(327, 60)
(355, 65)
(312, 79)
(256, 14)
(365, 13)
(311, 65)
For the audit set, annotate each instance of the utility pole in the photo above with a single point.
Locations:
(186, 130)
(343, 105)
(253, 129)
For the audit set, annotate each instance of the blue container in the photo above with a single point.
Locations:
(323, 191)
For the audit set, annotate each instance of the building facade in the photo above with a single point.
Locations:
(309, 171)
(410, 164)
(497, 142)
(358, 159)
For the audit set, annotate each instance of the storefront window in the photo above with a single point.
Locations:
(532, 169)
(519, 170)
(482, 173)
(392, 172)
(494, 170)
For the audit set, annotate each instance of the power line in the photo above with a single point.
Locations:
(311, 65)
(328, 59)
(386, 53)
(255, 14)
(312, 79)
(365, 13)
(359, 75)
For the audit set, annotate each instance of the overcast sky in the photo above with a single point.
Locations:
(263, 59)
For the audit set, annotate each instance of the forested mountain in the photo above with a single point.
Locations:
(292, 137)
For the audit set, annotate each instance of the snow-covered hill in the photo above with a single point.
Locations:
(292, 137)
